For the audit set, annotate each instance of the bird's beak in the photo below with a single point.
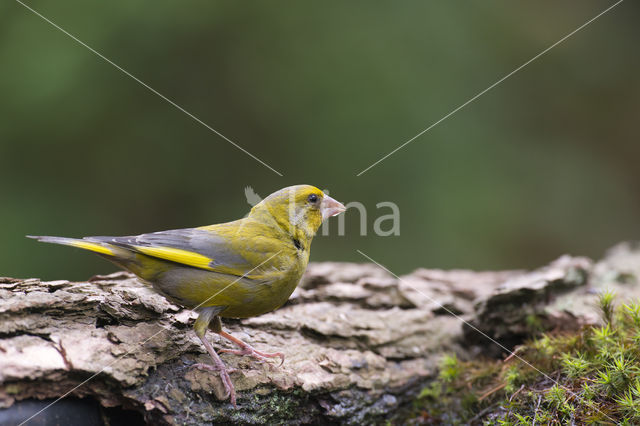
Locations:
(330, 207)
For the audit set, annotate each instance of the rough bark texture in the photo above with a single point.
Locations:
(359, 343)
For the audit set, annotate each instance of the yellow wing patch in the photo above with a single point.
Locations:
(92, 246)
(177, 255)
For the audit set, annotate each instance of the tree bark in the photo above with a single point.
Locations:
(359, 343)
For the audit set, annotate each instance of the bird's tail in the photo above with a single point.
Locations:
(143, 266)
(95, 246)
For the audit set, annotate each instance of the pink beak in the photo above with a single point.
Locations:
(330, 207)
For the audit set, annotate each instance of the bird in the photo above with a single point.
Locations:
(237, 269)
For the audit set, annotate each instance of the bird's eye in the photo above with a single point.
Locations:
(312, 198)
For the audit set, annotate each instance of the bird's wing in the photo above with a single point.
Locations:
(198, 248)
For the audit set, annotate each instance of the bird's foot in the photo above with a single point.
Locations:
(260, 356)
(224, 376)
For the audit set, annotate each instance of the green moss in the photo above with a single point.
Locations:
(575, 366)
(449, 368)
(591, 375)
(275, 406)
(533, 323)
(432, 391)
(556, 396)
(605, 301)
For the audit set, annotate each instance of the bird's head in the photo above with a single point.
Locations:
(299, 209)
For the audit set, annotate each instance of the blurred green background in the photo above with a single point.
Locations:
(544, 164)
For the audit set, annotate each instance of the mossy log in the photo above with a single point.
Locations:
(359, 343)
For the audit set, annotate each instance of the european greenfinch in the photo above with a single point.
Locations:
(238, 269)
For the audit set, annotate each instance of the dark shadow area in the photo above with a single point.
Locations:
(68, 412)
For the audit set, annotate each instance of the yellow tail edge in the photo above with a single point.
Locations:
(102, 248)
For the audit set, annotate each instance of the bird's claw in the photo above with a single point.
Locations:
(224, 376)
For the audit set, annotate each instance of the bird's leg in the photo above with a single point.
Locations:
(246, 349)
(218, 366)
(200, 327)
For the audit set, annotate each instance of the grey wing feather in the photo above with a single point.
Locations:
(194, 240)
